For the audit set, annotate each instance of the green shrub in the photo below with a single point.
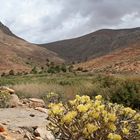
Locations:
(34, 70)
(11, 72)
(127, 93)
(51, 70)
(3, 74)
(122, 91)
(63, 68)
(66, 82)
(51, 98)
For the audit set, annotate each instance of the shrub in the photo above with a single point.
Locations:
(11, 72)
(116, 90)
(63, 68)
(4, 98)
(51, 69)
(71, 68)
(57, 69)
(51, 98)
(86, 119)
(3, 74)
(34, 70)
(127, 93)
(79, 69)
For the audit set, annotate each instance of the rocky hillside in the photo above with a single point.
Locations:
(6, 30)
(121, 61)
(95, 45)
(20, 55)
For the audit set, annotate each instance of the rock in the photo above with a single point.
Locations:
(4, 88)
(44, 110)
(11, 91)
(13, 101)
(38, 138)
(24, 123)
(40, 132)
(34, 102)
(5, 135)
(2, 129)
(50, 136)
(43, 133)
(32, 115)
(28, 136)
(2, 137)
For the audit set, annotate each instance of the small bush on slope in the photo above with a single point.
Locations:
(86, 119)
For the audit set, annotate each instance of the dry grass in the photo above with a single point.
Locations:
(35, 89)
(38, 90)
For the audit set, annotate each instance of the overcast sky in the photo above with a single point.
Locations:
(42, 21)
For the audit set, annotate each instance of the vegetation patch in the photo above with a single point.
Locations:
(4, 98)
(86, 119)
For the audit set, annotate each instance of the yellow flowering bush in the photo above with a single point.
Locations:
(86, 119)
(4, 98)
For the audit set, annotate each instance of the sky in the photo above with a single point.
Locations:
(44, 21)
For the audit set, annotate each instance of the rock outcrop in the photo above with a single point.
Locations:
(23, 119)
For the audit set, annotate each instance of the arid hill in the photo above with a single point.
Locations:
(20, 55)
(124, 61)
(94, 45)
(104, 50)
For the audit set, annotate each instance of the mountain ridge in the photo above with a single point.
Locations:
(95, 44)
(105, 46)
(19, 55)
(7, 31)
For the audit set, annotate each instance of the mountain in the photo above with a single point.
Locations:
(6, 30)
(94, 45)
(20, 55)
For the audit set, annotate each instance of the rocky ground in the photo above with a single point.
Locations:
(24, 119)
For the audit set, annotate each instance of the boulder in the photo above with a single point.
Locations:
(4, 134)
(38, 138)
(2, 128)
(13, 101)
(44, 110)
(42, 132)
(34, 102)
(7, 89)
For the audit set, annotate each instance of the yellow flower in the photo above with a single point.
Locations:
(125, 123)
(85, 99)
(90, 128)
(97, 103)
(98, 97)
(137, 117)
(82, 108)
(56, 109)
(112, 126)
(129, 111)
(112, 117)
(78, 97)
(88, 105)
(104, 113)
(112, 136)
(72, 102)
(106, 119)
(94, 114)
(69, 117)
(125, 131)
